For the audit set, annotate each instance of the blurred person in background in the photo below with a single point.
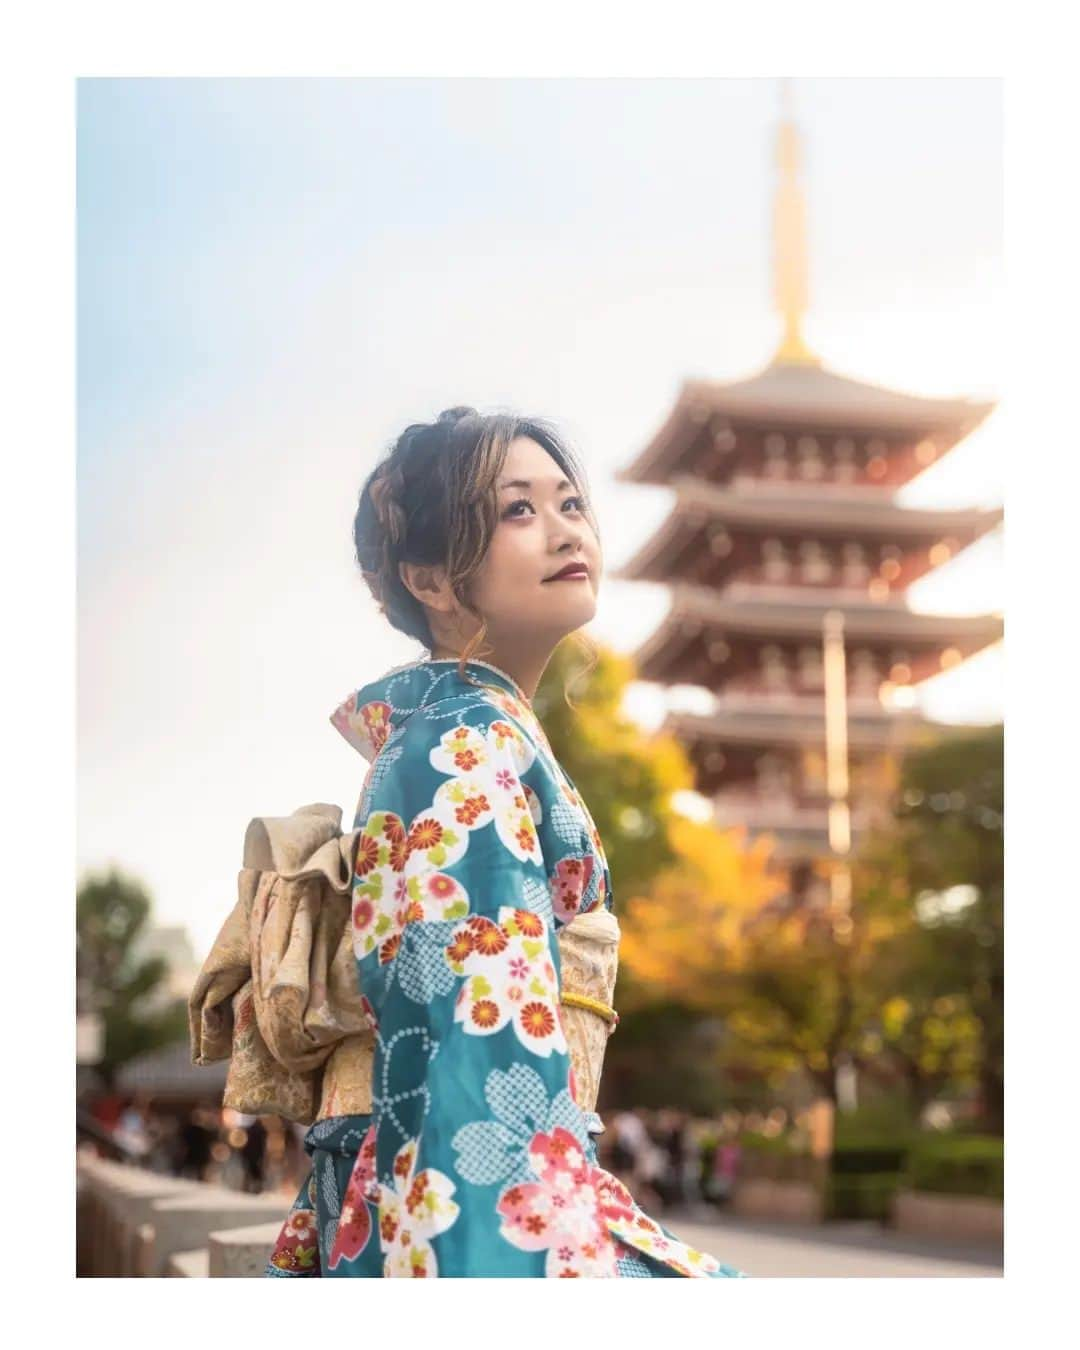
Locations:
(253, 1156)
(672, 1141)
(725, 1170)
(196, 1141)
(132, 1130)
(628, 1139)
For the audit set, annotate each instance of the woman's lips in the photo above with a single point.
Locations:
(570, 576)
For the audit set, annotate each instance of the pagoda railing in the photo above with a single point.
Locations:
(761, 813)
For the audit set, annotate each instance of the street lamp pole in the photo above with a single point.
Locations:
(839, 790)
(836, 759)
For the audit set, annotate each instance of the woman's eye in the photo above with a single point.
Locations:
(512, 511)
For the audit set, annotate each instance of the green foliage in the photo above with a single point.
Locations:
(659, 1056)
(860, 1195)
(779, 1144)
(934, 883)
(958, 1164)
(111, 912)
(880, 1121)
(626, 776)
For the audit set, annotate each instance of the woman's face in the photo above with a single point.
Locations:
(541, 528)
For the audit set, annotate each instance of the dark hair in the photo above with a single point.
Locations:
(433, 500)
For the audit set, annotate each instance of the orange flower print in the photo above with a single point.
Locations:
(528, 923)
(389, 949)
(505, 967)
(413, 1211)
(425, 834)
(367, 854)
(473, 808)
(537, 1019)
(463, 749)
(488, 938)
(376, 719)
(394, 828)
(526, 835)
(460, 948)
(485, 1013)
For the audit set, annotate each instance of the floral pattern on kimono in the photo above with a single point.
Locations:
(475, 850)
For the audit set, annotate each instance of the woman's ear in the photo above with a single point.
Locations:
(428, 584)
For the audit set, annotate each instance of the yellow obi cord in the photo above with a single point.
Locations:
(593, 1005)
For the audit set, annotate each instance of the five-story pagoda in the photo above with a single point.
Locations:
(784, 510)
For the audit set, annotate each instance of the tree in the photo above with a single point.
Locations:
(714, 932)
(939, 871)
(626, 776)
(111, 911)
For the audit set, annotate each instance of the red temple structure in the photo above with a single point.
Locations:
(784, 510)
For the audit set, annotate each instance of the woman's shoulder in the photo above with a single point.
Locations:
(469, 728)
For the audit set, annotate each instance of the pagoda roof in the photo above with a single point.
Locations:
(770, 621)
(762, 726)
(805, 395)
(817, 512)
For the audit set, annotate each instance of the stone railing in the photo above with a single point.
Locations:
(131, 1222)
(780, 1186)
(959, 1217)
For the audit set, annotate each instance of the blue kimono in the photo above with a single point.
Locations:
(476, 1159)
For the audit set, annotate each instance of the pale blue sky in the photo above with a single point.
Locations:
(275, 276)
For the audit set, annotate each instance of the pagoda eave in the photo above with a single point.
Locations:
(672, 655)
(699, 508)
(800, 397)
(877, 731)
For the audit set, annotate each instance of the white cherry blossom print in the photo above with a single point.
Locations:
(509, 979)
(416, 1208)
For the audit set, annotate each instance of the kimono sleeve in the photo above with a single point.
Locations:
(479, 1143)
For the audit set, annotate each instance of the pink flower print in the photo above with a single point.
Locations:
(560, 1212)
(368, 1009)
(630, 1225)
(354, 1225)
(568, 884)
(365, 728)
(300, 1225)
(519, 968)
(506, 780)
(363, 915)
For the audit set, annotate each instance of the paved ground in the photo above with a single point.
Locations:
(836, 1249)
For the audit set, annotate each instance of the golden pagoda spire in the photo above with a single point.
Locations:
(789, 241)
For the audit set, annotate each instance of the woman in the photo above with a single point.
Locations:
(477, 538)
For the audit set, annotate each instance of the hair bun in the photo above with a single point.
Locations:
(457, 414)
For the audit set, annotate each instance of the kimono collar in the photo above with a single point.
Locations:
(368, 715)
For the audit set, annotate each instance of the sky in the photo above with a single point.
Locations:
(276, 276)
